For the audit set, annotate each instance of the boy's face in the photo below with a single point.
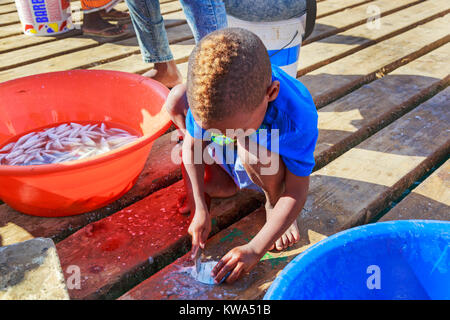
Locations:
(242, 123)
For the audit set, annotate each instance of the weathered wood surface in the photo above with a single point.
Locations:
(347, 192)
(118, 252)
(78, 44)
(350, 17)
(159, 172)
(31, 271)
(12, 233)
(338, 78)
(430, 200)
(7, 8)
(326, 8)
(13, 17)
(89, 57)
(342, 124)
(346, 122)
(394, 101)
(335, 47)
(409, 56)
(56, 232)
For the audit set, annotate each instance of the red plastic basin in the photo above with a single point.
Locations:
(79, 186)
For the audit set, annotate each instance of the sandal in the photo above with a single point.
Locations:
(115, 15)
(103, 33)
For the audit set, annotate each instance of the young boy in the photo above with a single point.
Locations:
(255, 127)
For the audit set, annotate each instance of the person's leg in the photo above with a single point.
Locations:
(265, 10)
(250, 154)
(152, 38)
(204, 16)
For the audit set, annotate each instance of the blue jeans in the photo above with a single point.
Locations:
(203, 16)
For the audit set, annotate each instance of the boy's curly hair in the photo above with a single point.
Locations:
(229, 70)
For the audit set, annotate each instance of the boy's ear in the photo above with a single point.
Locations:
(273, 90)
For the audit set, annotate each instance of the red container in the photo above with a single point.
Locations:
(48, 99)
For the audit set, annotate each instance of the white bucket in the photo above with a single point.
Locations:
(281, 38)
(44, 17)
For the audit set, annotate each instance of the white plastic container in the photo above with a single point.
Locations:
(44, 17)
(282, 39)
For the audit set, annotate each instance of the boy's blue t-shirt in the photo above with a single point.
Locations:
(294, 114)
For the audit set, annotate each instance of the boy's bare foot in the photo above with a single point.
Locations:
(289, 238)
(165, 72)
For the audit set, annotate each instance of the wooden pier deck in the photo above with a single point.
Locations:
(383, 101)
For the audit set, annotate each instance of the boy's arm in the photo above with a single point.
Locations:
(243, 258)
(194, 182)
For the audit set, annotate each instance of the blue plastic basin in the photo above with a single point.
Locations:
(389, 260)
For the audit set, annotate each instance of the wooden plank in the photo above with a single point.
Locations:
(31, 271)
(9, 18)
(348, 17)
(121, 250)
(395, 103)
(329, 7)
(135, 64)
(166, 8)
(347, 192)
(340, 77)
(335, 47)
(351, 119)
(8, 8)
(65, 46)
(36, 53)
(159, 172)
(349, 14)
(89, 57)
(10, 30)
(430, 200)
(12, 233)
(21, 40)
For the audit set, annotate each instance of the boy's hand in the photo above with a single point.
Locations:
(199, 229)
(238, 261)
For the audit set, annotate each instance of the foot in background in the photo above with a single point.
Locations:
(165, 72)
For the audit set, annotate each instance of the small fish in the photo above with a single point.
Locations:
(118, 130)
(31, 142)
(8, 147)
(53, 136)
(87, 141)
(76, 125)
(74, 133)
(66, 142)
(58, 144)
(24, 138)
(61, 128)
(13, 154)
